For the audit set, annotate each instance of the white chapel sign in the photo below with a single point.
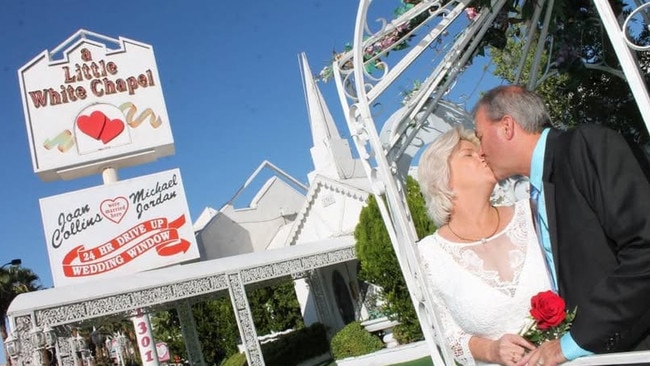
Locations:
(94, 102)
(118, 229)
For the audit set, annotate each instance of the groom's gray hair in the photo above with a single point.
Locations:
(434, 173)
(524, 106)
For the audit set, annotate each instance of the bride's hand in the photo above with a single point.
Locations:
(509, 349)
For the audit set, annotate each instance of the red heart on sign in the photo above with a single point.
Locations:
(92, 125)
(112, 129)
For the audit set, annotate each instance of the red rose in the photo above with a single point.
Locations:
(548, 309)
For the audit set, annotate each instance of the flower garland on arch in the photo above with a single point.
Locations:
(398, 40)
(394, 40)
(570, 19)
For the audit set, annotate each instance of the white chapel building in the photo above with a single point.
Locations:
(286, 213)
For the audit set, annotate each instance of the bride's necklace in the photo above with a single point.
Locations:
(480, 239)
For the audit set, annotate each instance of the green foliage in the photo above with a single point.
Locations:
(414, 199)
(296, 347)
(238, 359)
(14, 280)
(167, 328)
(275, 308)
(353, 340)
(379, 264)
(586, 87)
(217, 329)
(374, 250)
(424, 361)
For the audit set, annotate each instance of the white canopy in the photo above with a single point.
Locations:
(69, 304)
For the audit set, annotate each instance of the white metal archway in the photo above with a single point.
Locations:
(365, 74)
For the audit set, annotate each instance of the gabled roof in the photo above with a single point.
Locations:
(355, 188)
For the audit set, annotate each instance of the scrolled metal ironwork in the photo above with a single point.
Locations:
(626, 28)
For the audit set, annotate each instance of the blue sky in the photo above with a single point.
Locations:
(232, 86)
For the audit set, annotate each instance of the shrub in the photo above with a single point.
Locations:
(237, 359)
(379, 264)
(353, 340)
(297, 346)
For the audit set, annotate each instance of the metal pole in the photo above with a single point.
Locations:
(141, 321)
(626, 58)
(109, 175)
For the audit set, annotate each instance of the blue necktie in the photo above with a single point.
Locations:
(542, 233)
(534, 204)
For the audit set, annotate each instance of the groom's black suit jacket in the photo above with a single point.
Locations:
(597, 194)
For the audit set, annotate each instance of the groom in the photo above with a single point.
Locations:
(591, 195)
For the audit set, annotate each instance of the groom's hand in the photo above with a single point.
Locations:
(547, 354)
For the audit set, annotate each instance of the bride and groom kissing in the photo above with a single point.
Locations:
(584, 234)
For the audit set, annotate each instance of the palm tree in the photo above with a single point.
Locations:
(14, 280)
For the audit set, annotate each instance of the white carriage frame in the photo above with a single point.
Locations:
(381, 156)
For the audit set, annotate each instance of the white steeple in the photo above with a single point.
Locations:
(331, 154)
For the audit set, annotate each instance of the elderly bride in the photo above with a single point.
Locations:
(484, 263)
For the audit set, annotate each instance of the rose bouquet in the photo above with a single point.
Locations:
(549, 318)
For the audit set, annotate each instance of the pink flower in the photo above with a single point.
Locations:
(471, 13)
(387, 42)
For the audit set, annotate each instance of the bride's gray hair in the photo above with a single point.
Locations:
(434, 173)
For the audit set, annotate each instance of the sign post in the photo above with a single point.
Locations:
(146, 343)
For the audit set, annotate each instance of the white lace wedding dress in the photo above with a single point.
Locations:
(484, 288)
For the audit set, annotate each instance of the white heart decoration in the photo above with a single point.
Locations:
(163, 351)
(114, 209)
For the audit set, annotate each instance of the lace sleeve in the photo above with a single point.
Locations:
(454, 336)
